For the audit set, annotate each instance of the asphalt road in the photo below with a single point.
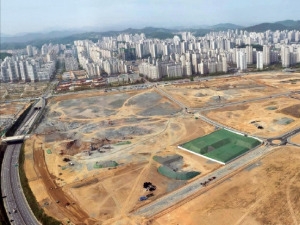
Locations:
(177, 196)
(224, 172)
(15, 202)
(7, 183)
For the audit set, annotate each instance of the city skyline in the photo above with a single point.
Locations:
(42, 16)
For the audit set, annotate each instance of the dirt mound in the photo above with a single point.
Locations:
(124, 132)
(293, 110)
(144, 100)
(161, 109)
(90, 182)
(200, 95)
(54, 114)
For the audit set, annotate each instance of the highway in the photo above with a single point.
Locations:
(6, 184)
(15, 203)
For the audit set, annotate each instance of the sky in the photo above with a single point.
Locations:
(25, 16)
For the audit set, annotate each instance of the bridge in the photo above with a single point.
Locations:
(15, 139)
(15, 203)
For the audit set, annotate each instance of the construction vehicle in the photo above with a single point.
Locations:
(143, 198)
(149, 186)
(149, 195)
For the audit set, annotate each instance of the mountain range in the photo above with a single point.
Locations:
(68, 36)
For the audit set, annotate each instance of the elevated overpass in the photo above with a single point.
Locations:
(15, 139)
(15, 202)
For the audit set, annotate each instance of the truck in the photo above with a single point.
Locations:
(143, 198)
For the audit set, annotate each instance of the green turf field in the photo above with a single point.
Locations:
(221, 145)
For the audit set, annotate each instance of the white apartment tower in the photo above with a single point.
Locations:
(259, 60)
(153, 51)
(266, 55)
(241, 60)
(249, 53)
(29, 50)
(224, 64)
(285, 56)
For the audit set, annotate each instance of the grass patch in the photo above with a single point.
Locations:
(221, 145)
(49, 151)
(64, 167)
(271, 108)
(123, 143)
(105, 164)
(34, 205)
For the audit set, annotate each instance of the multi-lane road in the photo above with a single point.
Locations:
(15, 202)
(17, 208)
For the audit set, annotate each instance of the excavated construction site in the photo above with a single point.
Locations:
(9, 112)
(88, 159)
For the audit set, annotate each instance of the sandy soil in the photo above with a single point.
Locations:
(287, 81)
(275, 115)
(266, 192)
(206, 93)
(151, 125)
(43, 183)
(11, 108)
(113, 193)
(16, 91)
(9, 111)
(296, 139)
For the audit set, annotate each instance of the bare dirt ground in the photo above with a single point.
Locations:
(16, 91)
(219, 91)
(266, 118)
(107, 195)
(83, 129)
(296, 139)
(240, 88)
(266, 192)
(9, 110)
(288, 81)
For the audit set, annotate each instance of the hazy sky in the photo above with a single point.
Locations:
(19, 16)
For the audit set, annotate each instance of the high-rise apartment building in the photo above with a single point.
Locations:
(259, 60)
(285, 56)
(249, 54)
(29, 50)
(241, 60)
(267, 55)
